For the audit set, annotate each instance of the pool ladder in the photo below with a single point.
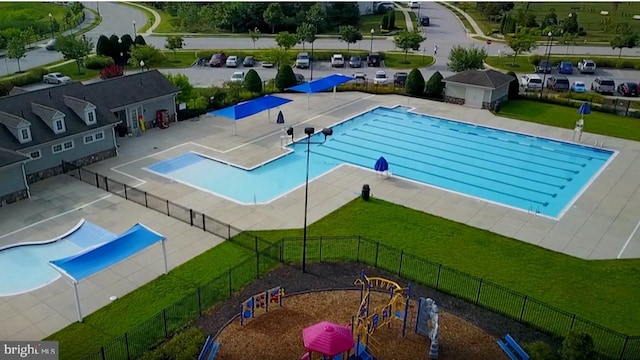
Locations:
(535, 211)
(599, 143)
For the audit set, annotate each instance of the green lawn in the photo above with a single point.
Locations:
(396, 60)
(462, 18)
(71, 70)
(565, 117)
(147, 13)
(23, 14)
(165, 22)
(368, 22)
(506, 63)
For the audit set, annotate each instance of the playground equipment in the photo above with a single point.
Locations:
(367, 320)
(209, 350)
(427, 324)
(259, 303)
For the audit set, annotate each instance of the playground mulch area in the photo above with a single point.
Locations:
(326, 292)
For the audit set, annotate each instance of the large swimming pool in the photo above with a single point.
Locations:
(513, 169)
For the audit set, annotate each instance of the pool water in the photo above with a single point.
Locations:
(517, 170)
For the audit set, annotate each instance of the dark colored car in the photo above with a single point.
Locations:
(355, 62)
(299, 79)
(217, 60)
(558, 83)
(565, 67)
(544, 67)
(373, 60)
(249, 61)
(400, 78)
(424, 21)
(628, 89)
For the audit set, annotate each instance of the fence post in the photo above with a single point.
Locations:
(106, 183)
(102, 353)
(97, 181)
(438, 278)
(573, 321)
(624, 347)
(228, 231)
(199, 304)
(80, 173)
(478, 294)
(524, 304)
(282, 250)
(164, 321)
(146, 201)
(204, 225)
(191, 216)
(358, 252)
(126, 342)
(377, 249)
(126, 197)
(257, 258)
(230, 284)
(320, 248)
(400, 267)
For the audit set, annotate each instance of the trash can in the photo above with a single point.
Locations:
(366, 192)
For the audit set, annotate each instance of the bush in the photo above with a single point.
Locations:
(252, 81)
(540, 350)
(535, 59)
(578, 346)
(5, 88)
(139, 40)
(30, 77)
(98, 62)
(285, 77)
(589, 97)
(111, 72)
(183, 346)
(104, 47)
(434, 87)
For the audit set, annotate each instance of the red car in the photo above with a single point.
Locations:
(628, 89)
(217, 60)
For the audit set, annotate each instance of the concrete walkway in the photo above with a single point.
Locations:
(407, 16)
(156, 15)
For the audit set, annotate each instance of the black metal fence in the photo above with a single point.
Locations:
(610, 344)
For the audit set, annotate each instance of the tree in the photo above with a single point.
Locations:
(350, 35)
(255, 35)
(285, 77)
(521, 42)
(384, 22)
(570, 24)
(578, 346)
(29, 34)
(17, 49)
(407, 40)
(181, 82)
(285, 40)
(174, 43)
(392, 20)
(276, 56)
(462, 58)
(415, 83)
(273, 16)
(125, 46)
(435, 86)
(305, 32)
(629, 40)
(252, 82)
(606, 24)
(103, 47)
(315, 16)
(550, 19)
(116, 48)
(514, 87)
(73, 48)
(139, 40)
(147, 53)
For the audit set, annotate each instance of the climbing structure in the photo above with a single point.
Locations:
(427, 324)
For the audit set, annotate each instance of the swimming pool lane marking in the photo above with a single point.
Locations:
(629, 240)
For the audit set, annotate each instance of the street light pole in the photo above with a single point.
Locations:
(51, 24)
(98, 7)
(134, 29)
(141, 65)
(373, 31)
(544, 77)
(309, 132)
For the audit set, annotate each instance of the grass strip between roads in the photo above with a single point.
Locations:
(150, 17)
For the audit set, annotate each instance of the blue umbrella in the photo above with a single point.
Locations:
(584, 109)
(381, 164)
(280, 119)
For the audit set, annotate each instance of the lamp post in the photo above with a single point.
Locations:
(373, 31)
(309, 131)
(98, 7)
(544, 77)
(134, 28)
(51, 24)
(121, 52)
(141, 65)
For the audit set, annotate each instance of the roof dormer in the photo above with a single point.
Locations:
(19, 127)
(82, 108)
(54, 118)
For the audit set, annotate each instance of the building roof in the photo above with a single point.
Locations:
(484, 78)
(16, 90)
(8, 157)
(131, 89)
(44, 112)
(12, 120)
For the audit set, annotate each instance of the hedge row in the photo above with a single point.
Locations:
(258, 54)
(601, 62)
(32, 76)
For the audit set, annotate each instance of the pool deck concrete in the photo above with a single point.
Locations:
(601, 224)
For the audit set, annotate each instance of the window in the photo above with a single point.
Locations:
(68, 145)
(93, 137)
(56, 148)
(25, 134)
(91, 117)
(35, 154)
(88, 139)
(58, 126)
(98, 136)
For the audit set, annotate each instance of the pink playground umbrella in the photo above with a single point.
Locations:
(327, 338)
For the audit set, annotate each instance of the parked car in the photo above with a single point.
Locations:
(579, 87)
(531, 82)
(373, 59)
(56, 78)
(355, 61)
(50, 45)
(237, 76)
(565, 67)
(414, 5)
(603, 85)
(303, 61)
(360, 76)
(400, 78)
(267, 64)
(424, 21)
(380, 78)
(249, 61)
(628, 89)
(337, 60)
(587, 66)
(299, 79)
(217, 60)
(544, 66)
(233, 61)
(558, 83)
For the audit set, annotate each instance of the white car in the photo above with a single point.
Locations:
(337, 60)
(237, 76)
(56, 78)
(380, 78)
(233, 61)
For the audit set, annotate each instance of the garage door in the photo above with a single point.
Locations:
(474, 97)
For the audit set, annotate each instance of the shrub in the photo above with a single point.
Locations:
(578, 346)
(285, 77)
(111, 72)
(540, 350)
(30, 77)
(98, 62)
(139, 40)
(104, 47)
(514, 87)
(434, 87)
(183, 346)
(5, 88)
(535, 59)
(252, 81)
